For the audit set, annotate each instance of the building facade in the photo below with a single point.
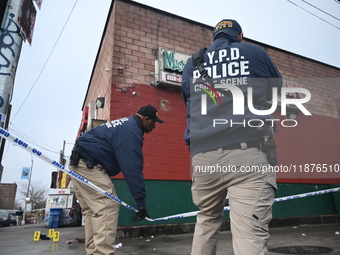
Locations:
(7, 195)
(139, 62)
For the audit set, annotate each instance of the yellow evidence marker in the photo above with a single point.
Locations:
(36, 236)
(51, 233)
(56, 236)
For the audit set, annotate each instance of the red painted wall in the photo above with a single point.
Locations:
(305, 149)
(166, 156)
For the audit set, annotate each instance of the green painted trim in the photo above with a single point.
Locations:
(166, 198)
(308, 206)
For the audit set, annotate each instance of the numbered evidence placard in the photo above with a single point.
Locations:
(51, 233)
(36, 236)
(56, 236)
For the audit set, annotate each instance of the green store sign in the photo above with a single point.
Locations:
(171, 63)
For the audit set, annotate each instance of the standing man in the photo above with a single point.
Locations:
(225, 145)
(105, 151)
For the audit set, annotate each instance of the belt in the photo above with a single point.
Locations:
(243, 146)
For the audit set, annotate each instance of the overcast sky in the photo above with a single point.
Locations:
(52, 111)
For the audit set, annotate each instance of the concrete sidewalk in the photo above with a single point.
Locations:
(17, 240)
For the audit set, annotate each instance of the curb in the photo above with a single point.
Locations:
(188, 228)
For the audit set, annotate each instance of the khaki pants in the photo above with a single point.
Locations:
(251, 195)
(99, 211)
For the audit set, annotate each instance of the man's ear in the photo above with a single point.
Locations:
(240, 37)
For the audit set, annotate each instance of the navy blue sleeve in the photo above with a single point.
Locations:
(186, 83)
(129, 154)
(271, 72)
(186, 76)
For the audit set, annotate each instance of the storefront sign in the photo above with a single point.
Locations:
(169, 67)
(60, 191)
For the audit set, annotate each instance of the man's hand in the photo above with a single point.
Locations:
(142, 213)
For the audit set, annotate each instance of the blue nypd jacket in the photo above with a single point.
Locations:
(212, 122)
(117, 147)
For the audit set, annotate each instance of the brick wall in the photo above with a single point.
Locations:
(323, 81)
(133, 35)
(101, 79)
(7, 195)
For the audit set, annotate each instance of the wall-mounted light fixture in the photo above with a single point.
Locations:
(107, 69)
(100, 102)
(125, 89)
(121, 69)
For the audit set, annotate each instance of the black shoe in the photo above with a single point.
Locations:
(44, 237)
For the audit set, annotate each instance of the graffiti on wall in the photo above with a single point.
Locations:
(7, 44)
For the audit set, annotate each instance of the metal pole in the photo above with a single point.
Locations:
(28, 189)
(63, 162)
(10, 48)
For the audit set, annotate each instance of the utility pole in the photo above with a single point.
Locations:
(62, 161)
(27, 199)
(12, 35)
(10, 49)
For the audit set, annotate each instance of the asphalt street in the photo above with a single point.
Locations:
(18, 240)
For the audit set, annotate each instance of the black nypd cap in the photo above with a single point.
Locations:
(227, 26)
(151, 112)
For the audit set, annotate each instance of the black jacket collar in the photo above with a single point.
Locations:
(139, 122)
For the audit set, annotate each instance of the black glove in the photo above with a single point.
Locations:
(142, 213)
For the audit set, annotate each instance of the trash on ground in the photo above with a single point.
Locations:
(118, 245)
